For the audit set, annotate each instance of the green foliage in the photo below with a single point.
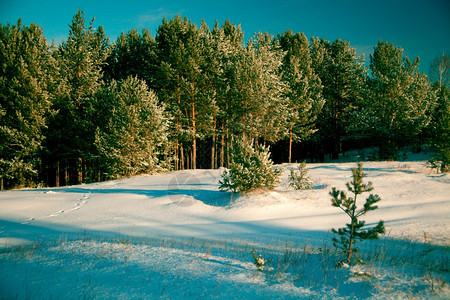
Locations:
(133, 54)
(25, 100)
(440, 132)
(300, 180)
(64, 120)
(185, 84)
(353, 231)
(303, 87)
(343, 77)
(255, 103)
(400, 99)
(71, 134)
(134, 129)
(259, 261)
(250, 169)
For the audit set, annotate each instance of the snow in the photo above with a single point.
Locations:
(176, 236)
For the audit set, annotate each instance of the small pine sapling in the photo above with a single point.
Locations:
(300, 180)
(354, 230)
(250, 169)
(259, 261)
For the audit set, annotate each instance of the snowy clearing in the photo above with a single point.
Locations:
(175, 236)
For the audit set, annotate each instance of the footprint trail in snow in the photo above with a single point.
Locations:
(82, 202)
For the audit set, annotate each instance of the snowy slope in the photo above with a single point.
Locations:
(175, 235)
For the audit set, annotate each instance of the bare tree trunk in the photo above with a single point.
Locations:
(222, 149)
(177, 160)
(57, 175)
(66, 175)
(228, 147)
(213, 146)
(194, 153)
(188, 159)
(290, 146)
(80, 170)
(194, 140)
(182, 157)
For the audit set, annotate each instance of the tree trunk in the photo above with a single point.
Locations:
(66, 175)
(213, 146)
(177, 161)
(352, 230)
(290, 145)
(194, 153)
(182, 157)
(188, 159)
(80, 170)
(57, 175)
(349, 256)
(194, 140)
(222, 149)
(228, 147)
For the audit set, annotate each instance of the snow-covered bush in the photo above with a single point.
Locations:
(300, 180)
(250, 169)
(353, 231)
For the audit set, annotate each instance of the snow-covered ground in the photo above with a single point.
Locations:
(176, 236)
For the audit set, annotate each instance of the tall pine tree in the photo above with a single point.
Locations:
(133, 54)
(257, 108)
(25, 87)
(343, 77)
(304, 88)
(400, 99)
(227, 44)
(70, 142)
(185, 86)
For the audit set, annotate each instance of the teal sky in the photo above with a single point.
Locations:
(420, 27)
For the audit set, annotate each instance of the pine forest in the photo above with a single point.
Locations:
(92, 109)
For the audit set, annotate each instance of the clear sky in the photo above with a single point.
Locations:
(420, 27)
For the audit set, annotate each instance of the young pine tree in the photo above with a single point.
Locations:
(250, 169)
(300, 180)
(353, 231)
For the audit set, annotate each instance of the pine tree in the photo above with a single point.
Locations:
(250, 169)
(227, 43)
(440, 131)
(25, 88)
(132, 133)
(343, 78)
(70, 141)
(349, 235)
(304, 89)
(257, 108)
(400, 99)
(300, 180)
(133, 54)
(184, 83)
(272, 90)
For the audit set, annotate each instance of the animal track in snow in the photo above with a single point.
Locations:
(81, 202)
